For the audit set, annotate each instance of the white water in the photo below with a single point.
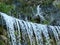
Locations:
(39, 13)
(28, 33)
(10, 27)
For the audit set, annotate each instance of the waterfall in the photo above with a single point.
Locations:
(27, 33)
(39, 13)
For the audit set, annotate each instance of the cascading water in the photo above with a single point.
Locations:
(39, 13)
(28, 33)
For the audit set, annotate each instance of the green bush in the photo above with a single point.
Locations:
(5, 8)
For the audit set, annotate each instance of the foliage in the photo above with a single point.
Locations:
(5, 8)
(1, 42)
(25, 7)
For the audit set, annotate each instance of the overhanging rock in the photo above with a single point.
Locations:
(27, 33)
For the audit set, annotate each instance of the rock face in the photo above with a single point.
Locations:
(27, 33)
(3, 36)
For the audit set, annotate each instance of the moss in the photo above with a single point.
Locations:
(5, 8)
(1, 42)
(47, 2)
(46, 22)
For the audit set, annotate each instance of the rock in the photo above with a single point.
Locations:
(56, 3)
(3, 39)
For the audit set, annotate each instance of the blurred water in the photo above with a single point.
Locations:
(28, 33)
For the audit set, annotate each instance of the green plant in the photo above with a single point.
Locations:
(5, 8)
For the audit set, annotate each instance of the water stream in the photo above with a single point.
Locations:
(27, 33)
(40, 13)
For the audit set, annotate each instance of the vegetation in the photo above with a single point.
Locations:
(25, 8)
